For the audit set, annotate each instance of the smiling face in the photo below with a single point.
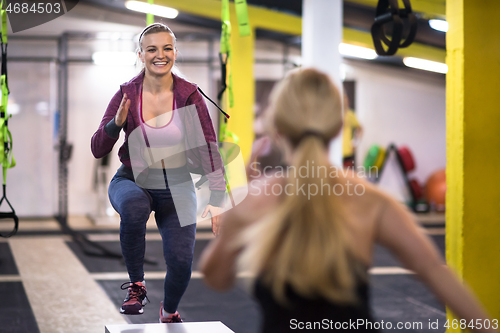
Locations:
(158, 53)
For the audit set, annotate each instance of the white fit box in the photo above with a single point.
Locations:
(198, 327)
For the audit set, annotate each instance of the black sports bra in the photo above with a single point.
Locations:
(313, 315)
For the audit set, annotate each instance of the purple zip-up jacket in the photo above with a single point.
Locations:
(201, 159)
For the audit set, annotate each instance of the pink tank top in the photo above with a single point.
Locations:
(168, 135)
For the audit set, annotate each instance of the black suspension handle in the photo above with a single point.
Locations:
(9, 215)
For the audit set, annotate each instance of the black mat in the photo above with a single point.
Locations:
(16, 315)
(154, 252)
(7, 263)
(403, 298)
(394, 298)
(383, 258)
(98, 264)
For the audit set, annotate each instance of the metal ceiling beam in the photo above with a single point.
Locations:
(259, 17)
(263, 18)
(430, 8)
(417, 50)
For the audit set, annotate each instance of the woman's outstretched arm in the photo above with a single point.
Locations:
(107, 134)
(398, 231)
(218, 261)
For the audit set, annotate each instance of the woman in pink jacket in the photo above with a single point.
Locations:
(168, 134)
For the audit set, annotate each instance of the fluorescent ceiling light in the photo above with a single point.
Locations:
(356, 51)
(13, 108)
(115, 35)
(343, 71)
(42, 108)
(439, 25)
(110, 211)
(103, 35)
(156, 10)
(426, 65)
(114, 58)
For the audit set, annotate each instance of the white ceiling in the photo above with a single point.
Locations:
(88, 18)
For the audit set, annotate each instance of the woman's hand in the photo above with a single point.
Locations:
(214, 213)
(121, 114)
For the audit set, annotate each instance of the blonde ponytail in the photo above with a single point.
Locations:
(306, 242)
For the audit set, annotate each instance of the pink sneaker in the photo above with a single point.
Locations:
(136, 298)
(172, 318)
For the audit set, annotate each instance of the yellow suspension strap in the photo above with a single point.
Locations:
(6, 158)
(225, 44)
(150, 18)
(242, 15)
(225, 52)
(228, 150)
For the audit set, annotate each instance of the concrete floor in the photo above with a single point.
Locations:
(48, 284)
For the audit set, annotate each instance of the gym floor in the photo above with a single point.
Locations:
(49, 284)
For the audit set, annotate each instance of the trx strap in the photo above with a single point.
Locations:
(389, 11)
(223, 69)
(225, 57)
(150, 18)
(225, 43)
(225, 54)
(225, 50)
(6, 158)
(204, 178)
(242, 15)
(224, 113)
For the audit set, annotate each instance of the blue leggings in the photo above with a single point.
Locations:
(134, 204)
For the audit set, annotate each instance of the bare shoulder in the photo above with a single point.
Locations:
(382, 205)
(258, 201)
(264, 192)
(363, 197)
(362, 188)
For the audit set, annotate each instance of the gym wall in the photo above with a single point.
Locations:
(394, 105)
(405, 107)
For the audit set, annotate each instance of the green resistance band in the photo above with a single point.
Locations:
(225, 134)
(150, 18)
(225, 47)
(4, 24)
(242, 15)
(6, 157)
(225, 40)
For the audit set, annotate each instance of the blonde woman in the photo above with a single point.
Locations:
(308, 237)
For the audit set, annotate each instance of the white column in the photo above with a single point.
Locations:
(321, 36)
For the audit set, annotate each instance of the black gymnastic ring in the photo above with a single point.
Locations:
(388, 11)
(407, 13)
(10, 215)
(378, 36)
